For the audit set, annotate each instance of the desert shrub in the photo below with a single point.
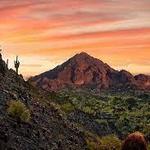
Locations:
(146, 131)
(67, 107)
(93, 141)
(87, 109)
(19, 111)
(103, 123)
(110, 142)
(148, 147)
(144, 96)
(131, 102)
(91, 145)
(117, 101)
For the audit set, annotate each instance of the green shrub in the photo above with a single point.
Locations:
(91, 145)
(67, 107)
(149, 147)
(110, 142)
(19, 111)
(93, 141)
(87, 109)
(131, 102)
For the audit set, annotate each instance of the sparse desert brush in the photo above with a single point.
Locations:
(109, 142)
(18, 110)
(67, 107)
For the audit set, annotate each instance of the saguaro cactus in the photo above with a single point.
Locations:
(3, 67)
(0, 54)
(17, 64)
(7, 63)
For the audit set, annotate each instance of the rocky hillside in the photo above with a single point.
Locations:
(83, 70)
(47, 128)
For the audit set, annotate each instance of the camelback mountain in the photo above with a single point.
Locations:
(85, 71)
(47, 128)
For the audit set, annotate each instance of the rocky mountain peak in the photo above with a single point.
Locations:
(83, 54)
(85, 71)
(84, 57)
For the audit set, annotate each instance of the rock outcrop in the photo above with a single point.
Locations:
(83, 70)
(143, 81)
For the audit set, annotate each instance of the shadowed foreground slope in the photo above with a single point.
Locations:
(47, 129)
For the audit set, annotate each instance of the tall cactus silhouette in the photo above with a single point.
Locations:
(7, 63)
(0, 54)
(17, 64)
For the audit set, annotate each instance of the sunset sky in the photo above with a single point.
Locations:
(45, 33)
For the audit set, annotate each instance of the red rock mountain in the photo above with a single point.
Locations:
(83, 70)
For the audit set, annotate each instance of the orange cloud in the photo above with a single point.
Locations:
(118, 32)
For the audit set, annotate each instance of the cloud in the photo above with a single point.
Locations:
(116, 31)
(32, 65)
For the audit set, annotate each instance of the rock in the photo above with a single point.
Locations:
(4, 137)
(143, 81)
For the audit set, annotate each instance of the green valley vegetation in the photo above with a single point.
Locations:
(107, 117)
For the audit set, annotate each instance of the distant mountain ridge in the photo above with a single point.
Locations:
(83, 70)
